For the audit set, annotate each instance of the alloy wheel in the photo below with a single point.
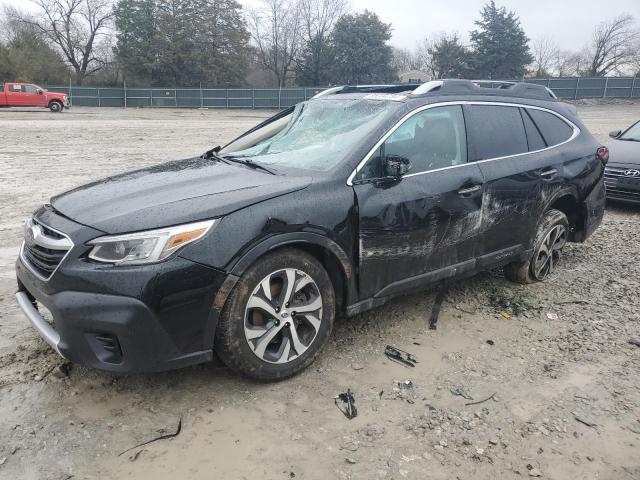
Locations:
(283, 316)
(548, 255)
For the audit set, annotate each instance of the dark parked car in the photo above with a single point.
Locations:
(328, 208)
(622, 174)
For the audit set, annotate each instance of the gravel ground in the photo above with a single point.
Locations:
(564, 390)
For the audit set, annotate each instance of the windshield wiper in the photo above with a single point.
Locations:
(249, 163)
(213, 153)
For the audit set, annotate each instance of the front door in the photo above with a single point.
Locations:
(426, 225)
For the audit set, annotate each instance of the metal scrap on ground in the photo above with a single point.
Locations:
(400, 356)
(346, 403)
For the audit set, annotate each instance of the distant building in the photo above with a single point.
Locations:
(414, 76)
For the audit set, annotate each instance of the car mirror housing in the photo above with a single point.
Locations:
(615, 133)
(396, 166)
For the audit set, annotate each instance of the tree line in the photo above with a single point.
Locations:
(280, 43)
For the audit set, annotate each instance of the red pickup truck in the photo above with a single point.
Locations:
(30, 95)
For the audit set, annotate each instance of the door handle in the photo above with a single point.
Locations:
(548, 173)
(469, 190)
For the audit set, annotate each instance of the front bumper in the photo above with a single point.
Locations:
(132, 319)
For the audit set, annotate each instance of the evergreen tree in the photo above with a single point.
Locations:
(135, 21)
(448, 58)
(361, 52)
(181, 42)
(500, 45)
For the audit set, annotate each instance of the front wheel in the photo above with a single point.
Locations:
(55, 107)
(278, 317)
(551, 237)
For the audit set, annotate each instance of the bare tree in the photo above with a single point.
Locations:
(75, 27)
(405, 59)
(612, 46)
(545, 54)
(276, 31)
(570, 64)
(317, 19)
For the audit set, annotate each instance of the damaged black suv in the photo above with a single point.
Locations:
(328, 208)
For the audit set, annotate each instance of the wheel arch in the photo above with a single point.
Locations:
(326, 251)
(566, 201)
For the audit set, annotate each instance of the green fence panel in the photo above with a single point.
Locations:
(274, 98)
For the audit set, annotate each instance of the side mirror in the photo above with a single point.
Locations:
(615, 133)
(395, 166)
(40, 92)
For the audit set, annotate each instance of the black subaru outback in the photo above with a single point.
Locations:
(328, 208)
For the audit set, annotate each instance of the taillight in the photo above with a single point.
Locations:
(603, 154)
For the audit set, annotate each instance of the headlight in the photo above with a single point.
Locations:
(146, 247)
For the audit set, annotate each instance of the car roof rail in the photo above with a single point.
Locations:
(485, 87)
(390, 88)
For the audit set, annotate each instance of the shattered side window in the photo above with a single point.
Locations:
(320, 134)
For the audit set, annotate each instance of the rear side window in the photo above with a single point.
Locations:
(553, 129)
(497, 131)
(534, 137)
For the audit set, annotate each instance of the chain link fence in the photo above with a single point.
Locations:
(566, 88)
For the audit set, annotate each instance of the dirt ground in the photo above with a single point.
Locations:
(567, 390)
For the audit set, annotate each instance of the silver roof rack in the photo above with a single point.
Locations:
(428, 86)
(524, 89)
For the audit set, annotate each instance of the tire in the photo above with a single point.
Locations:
(262, 336)
(551, 236)
(56, 107)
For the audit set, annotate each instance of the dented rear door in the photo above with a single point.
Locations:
(511, 205)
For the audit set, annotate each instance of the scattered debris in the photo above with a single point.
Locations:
(346, 403)
(135, 456)
(534, 472)
(635, 342)
(437, 304)
(404, 391)
(490, 342)
(490, 397)
(459, 391)
(350, 460)
(162, 436)
(552, 316)
(400, 356)
(2, 460)
(356, 366)
(584, 421)
(505, 314)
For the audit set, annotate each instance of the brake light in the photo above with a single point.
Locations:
(603, 154)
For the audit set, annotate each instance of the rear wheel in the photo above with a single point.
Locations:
(551, 237)
(56, 107)
(278, 317)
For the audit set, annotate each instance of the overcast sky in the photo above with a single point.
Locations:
(568, 22)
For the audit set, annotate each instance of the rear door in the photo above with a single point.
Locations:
(414, 230)
(520, 171)
(15, 95)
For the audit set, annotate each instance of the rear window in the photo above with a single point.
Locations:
(497, 131)
(553, 129)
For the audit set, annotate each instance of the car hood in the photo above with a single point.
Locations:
(170, 194)
(621, 151)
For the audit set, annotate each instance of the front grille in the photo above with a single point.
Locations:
(44, 248)
(614, 172)
(621, 186)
